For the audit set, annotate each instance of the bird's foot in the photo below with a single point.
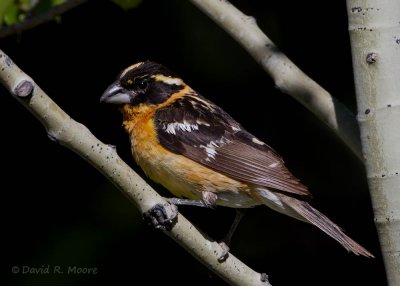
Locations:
(162, 216)
(225, 251)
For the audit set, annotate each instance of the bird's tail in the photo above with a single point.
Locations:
(315, 217)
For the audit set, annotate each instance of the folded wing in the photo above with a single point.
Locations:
(196, 128)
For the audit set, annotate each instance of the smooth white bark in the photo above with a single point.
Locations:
(374, 28)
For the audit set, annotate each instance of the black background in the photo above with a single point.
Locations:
(59, 211)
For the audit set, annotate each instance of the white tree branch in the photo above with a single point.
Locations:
(374, 28)
(286, 75)
(75, 136)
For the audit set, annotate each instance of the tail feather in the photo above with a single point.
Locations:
(325, 224)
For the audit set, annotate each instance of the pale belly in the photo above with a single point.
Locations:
(173, 172)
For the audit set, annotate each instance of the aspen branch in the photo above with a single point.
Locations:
(75, 136)
(287, 76)
(34, 21)
(375, 40)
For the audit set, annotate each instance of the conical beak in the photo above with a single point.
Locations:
(116, 94)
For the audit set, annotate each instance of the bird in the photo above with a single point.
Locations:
(204, 157)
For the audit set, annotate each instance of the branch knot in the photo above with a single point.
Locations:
(24, 89)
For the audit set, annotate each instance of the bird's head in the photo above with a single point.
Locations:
(146, 83)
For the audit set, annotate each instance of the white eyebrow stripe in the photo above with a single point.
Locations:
(168, 80)
(130, 68)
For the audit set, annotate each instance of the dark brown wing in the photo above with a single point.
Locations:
(198, 129)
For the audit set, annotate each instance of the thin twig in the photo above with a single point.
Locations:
(286, 75)
(30, 23)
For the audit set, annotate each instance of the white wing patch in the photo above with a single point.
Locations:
(255, 140)
(201, 122)
(171, 128)
(210, 148)
(274, 165)
(235, 128)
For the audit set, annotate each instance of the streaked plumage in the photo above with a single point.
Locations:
(197, 151)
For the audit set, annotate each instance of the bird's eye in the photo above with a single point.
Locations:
(142, 84)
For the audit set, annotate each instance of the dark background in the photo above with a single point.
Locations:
(59, 211)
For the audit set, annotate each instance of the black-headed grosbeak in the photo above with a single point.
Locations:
(199, 152)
